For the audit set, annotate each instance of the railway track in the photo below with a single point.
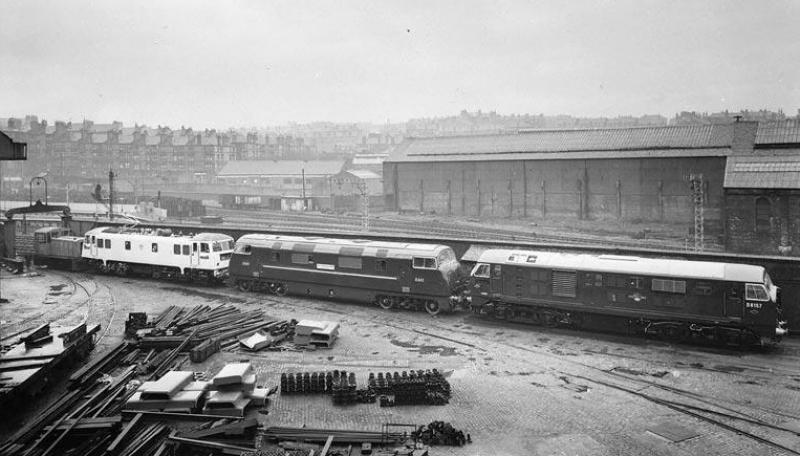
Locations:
(398, 225)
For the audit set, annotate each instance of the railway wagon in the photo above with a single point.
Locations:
(389, 274)
(54, 246)
(722, 302)
(159, 253)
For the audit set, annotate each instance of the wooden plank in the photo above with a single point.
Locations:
(327, 446)
(112, 448)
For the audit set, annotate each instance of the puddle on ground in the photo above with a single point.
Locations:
(441, 350)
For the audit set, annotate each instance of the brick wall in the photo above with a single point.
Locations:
(779, 232)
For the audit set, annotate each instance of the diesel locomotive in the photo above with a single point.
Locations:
(676, 299)
(389, 274)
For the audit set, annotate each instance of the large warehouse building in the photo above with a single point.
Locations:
(633, 174)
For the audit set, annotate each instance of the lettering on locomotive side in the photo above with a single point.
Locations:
(753, 306)
(419, 279)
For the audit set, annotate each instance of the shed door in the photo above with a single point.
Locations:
(564, 283)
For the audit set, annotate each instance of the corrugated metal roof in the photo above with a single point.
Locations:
(783, 132)
(773, 171)
(636, 266)
(280, 167)
(567, 142)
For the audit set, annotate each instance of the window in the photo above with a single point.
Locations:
(275, 256)
(302, 258)
(350, 263)
(424, 263)
(99, 243)
(591, 279)
(481, 271)
(154, 247)
(87, 239)
(176, 249)
(380, 266)
(108, 243)
(185, 249)
(702, 289)
(497, 271)
(756, 292)
(244, 249)
(194, 247)
(203, 248)
(763, 215)
(127, 245)
(669, 286)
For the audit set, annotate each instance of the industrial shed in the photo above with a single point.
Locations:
(762, 194)
(636, 174)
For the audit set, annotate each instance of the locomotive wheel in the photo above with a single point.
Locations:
(122, 269)
(280, 289)
(432, 307)
(385, 302)
(245, 285)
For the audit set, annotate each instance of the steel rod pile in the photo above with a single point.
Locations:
(339, 435)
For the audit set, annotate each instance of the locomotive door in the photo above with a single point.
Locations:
(733, 302)
(93, 247)
(496, 282)
(195, 258)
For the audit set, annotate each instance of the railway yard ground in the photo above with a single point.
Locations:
(517, 390)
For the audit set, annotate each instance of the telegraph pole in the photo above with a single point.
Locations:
(698, 200)
(303, 174)
(111, 195)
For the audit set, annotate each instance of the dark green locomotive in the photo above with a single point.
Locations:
(723, 302)
(389, 274)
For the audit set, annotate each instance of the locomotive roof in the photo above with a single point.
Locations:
(355, 247)
(627, 265)
(208, 237)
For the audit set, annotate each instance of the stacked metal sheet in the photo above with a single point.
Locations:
(175, 391)
(233, 390)
(316, 333)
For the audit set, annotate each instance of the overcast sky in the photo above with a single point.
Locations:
(257, 63)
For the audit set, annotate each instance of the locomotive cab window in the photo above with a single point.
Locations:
(244, 249)
(108, 243)
(203, 248)
(176, 249)
(756, 292)
(127, 245)
(481, 271)
(186, 250)
(99, 243)
(424, 263)
(154, 247)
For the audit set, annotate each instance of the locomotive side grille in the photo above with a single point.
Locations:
(564, 284)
